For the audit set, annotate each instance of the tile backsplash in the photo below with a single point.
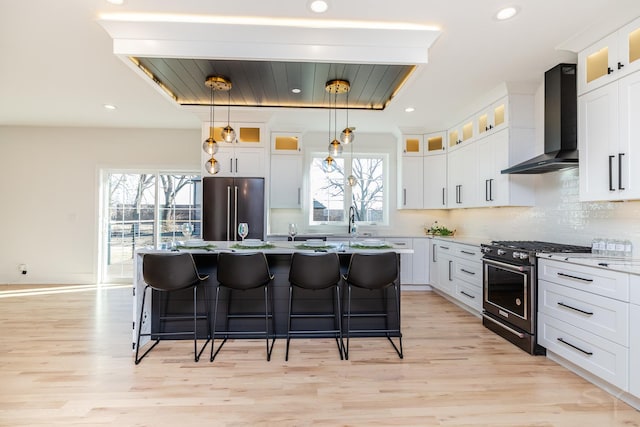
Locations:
(558, 216)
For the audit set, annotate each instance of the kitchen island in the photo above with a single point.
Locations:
(279, 257)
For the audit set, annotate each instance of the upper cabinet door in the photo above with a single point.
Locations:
(435, 143)
(410, 196)
(613, 57)
(492, 118)
(461, 133)
(412, 145)
(286, 143)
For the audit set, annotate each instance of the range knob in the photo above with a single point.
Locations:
(524, 255)
(501, 252)
(485, 250)
(517, 255)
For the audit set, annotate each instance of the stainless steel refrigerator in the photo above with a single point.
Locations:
(226, 202)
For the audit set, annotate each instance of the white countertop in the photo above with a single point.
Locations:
(285, 247)
(625, 265)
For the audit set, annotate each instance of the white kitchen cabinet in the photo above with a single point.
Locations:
(583, 316)
(434, 277)
(461, 133)
(412, 145)
(411, 192)
(462, 170)
(609, 59)
(286, 143)
(420, 262)
(492, 118)
(406, 260)
(497, 151)
(634, 335)
(608, 139)
(434, 190)
(457, 272)
(246, 157)
(285, 181)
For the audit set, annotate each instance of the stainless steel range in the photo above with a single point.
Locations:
(511, 286)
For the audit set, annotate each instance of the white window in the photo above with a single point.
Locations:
(331, 196)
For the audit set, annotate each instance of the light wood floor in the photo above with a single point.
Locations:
(65, 359)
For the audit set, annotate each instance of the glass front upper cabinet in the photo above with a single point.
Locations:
(434, 143)
(461, 133)
(412, 145)
(286, 143)
(493, 117)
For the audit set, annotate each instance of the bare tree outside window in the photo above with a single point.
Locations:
(332, 197)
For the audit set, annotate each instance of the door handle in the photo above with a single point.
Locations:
(611, 174)
(404, 197)
(450, 264)
(235, 225)
(491, 190)
(443, 201)
(620, 65)
(236, 165)
(228, 211)
(298, 196)
(486, 190)
(231, 165)
(433, 250)
(620, 187)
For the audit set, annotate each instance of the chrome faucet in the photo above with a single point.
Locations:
(352, 220)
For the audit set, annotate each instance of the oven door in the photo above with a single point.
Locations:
(507, 293)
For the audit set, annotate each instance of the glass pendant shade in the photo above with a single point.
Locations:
(212, 166)
(347, 136)
(228, 134)
(327, 164)
(351, 180)
(335, 148)
(210, 146)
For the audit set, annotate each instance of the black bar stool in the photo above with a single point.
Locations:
(314, 272)
(240, 271)
(170, 272)
(374, 272)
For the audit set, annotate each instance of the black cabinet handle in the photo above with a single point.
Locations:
(575, 277)
(433, 253)
(611, 174)
(588, 313)
(236, 164)
(450, 263)
(486, 190)
(620, 65)
(468, 272)
(620, 187)
(404, 197)
(443, 200)
(468, 295)
(588, 353)
(468, 253)
(491, 190)
(231, 165)
(609, 70)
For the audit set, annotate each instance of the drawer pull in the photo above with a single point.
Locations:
(575, 277)
(468, 253)
(444, 247)
(588, 313)
(505, 327)
(468, 272)
(588, 353)
(468, 295)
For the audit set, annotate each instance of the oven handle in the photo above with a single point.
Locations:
(513, 331)
(521, 268)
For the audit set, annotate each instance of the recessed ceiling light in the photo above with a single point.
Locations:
(318, 6)
(507, 13)
(109, 107)
(296, 90)
(115, 1)
(409, 110)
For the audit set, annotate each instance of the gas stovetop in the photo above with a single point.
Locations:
(524, 251)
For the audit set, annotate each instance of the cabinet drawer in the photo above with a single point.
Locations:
(611, 284)
(634, 351)
(470, 295)
(470, 272)
(606, 317)
(601, 357)
(471, 253)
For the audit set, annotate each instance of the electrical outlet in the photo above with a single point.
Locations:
(22, 268)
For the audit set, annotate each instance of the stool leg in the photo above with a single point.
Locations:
(346, 350)
(338, 320)
(286, 356)
(213, 331)
(266, 319)
(137, 360)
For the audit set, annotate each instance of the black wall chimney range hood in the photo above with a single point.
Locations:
(560, 124)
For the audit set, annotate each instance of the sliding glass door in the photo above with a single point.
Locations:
(144, 209)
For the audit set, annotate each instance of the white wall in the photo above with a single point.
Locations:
(49, 191)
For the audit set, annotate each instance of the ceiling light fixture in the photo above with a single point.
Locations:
(210, 146)
(507, 13)
(296, 90)
(118, 2)
(335, 87)
(109, 107)
(318, 6)
(409, 110)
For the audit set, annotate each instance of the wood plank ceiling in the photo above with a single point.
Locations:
(269, 83)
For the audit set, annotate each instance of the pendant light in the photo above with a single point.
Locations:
(347, 136)
(210, 146)
(228, 134)
(335, 87)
